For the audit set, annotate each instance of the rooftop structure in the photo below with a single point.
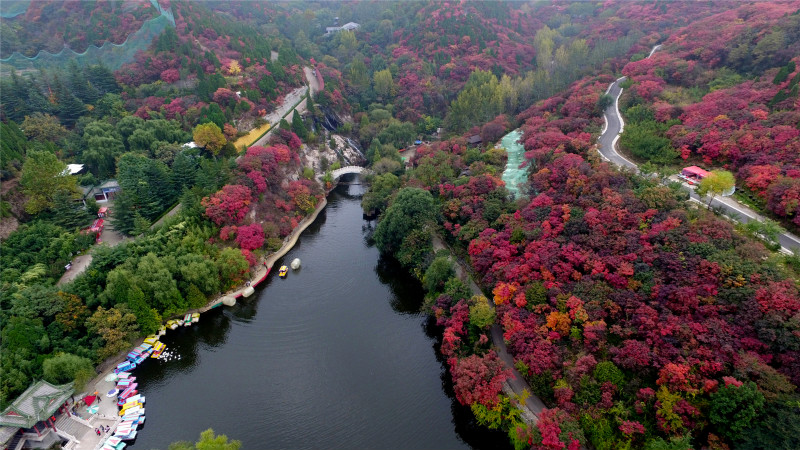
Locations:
(74, 168)
(474, 139)
(103, 192)
(38, 403)
(692, 174)
(694, 171)
(349, 26)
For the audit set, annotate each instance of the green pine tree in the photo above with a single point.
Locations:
(67, 212)
(298, 126)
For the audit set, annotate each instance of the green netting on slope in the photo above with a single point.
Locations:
(111, 55)
(514, 176)
(13, 8)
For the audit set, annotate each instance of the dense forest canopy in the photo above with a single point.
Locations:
(640, 319)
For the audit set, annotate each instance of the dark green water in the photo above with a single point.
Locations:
(333, 356)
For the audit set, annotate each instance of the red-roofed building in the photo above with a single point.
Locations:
(693, 174)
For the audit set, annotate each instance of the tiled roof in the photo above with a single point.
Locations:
(38, 402)
(6, 433)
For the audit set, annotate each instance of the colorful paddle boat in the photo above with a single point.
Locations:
(125, 367)
(157, 349)
(283, 271)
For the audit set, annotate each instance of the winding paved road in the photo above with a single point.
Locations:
(607, 145)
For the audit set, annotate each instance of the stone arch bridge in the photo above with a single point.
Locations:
(336, 174)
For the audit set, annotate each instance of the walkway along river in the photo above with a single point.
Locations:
(333, 356)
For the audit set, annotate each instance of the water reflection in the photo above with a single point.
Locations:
(334, 356)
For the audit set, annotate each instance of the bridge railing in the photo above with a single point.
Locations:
(349, 169)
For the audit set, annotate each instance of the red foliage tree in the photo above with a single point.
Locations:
(478, 379)
(170, 75)
(250, 237)
(229, 205)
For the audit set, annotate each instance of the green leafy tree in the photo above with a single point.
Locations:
(140, 224)
(66, 367)
(208, 441)
(116, 327)
(766, 230)
(209, 136)
(384, 84)
(110, 105)
(645, 140)
(437, 274)
(377, 197)
(36, 301)
(717, 182)
(183, 170)
(43, 128)
(412, 208)
(608, 371)
(13, 145)
(481, 314)
(777, 427)
(124, 212)
(232, 266)
(44, 176)
(148, 318)
(69, 107)
(158, 284)
(195, 298)
(68, 211)
(148, 183)
(479, 102)
(198, 271)
(734, 408)
(674, 443)
(103, 144)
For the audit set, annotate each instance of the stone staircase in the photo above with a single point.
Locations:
(15, 442)
(72, 427)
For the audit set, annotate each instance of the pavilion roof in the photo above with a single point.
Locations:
(37, 403)
(696, 171)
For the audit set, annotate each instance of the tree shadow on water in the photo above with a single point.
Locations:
(466, 426)
(407, 293)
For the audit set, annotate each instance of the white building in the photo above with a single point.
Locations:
(349, 26)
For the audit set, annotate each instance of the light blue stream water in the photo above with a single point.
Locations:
(514, 176)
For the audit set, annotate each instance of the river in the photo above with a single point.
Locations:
(334, 356)
(513, 175)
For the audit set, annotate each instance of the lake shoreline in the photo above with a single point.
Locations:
(264, 267)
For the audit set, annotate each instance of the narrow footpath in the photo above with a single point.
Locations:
(607, 146)
(516, 385)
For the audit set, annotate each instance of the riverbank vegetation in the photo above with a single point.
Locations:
(131, 125)
(640, 321)
(208, 441)
(637, 319)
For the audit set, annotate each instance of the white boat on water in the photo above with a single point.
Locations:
(295, 264)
